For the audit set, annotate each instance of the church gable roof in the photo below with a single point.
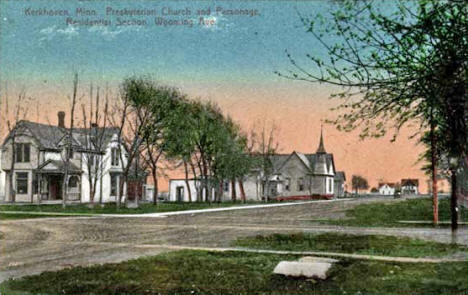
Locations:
(300, 156)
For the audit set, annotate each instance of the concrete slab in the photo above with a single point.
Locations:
(313, 270)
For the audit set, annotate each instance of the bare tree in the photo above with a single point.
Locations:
(263, 146)
(151, 156)
(95, 135)
(12, 117)
(69, 142)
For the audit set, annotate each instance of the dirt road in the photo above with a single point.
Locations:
(35, 245)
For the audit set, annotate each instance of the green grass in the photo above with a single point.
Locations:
(389, 215)
(14, 216)
(112, 209)
(198, 272)
(355, 244)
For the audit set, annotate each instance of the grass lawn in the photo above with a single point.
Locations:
(378, 214)
(112, 209)
(198, 272)
(24, 216)
(356, 244)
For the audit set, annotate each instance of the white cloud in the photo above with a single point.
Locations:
(69, 32)
(50, 32)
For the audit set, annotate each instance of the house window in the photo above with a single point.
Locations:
(115, 157)
(22, 151)
(73, 182)
(114, 185)
(22, 183)
(287, 185)
(226, 186)
(300, 184)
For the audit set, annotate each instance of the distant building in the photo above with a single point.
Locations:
(410, 186)
(387, 189)
(339, 184)
(294, 175)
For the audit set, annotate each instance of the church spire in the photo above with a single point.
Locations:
(321, 148)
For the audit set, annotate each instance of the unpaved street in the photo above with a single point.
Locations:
(34, 245)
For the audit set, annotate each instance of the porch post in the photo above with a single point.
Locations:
(39, 194)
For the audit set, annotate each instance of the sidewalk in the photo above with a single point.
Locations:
(233, 208)
(171, 213)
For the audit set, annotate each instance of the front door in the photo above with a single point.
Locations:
(180, 193)
(55, 188)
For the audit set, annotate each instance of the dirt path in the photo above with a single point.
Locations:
(34, 245)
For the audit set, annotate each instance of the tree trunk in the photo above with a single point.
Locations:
(126, 190)
(220, 191)
(39, 188)
(137, 183)
(32, 192)
(65, 187)
(12, 191)
(155, 189)
(242, 191)
(189, 191)
(435, 205)
(453, 201)
(100, 186)
(233, 191)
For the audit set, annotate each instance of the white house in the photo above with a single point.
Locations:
(40, 159)
(179, 192)
(410, 186)
(387, 189)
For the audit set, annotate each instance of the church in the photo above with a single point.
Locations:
(294, 176)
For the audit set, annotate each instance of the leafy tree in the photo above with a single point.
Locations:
(131, 115)
(358, 182)
(404, 63)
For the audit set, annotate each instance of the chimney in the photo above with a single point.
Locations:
(61, 119)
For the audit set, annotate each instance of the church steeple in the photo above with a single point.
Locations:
(321, 148)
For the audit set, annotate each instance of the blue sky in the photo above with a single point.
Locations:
(237, 49)
(232, 63)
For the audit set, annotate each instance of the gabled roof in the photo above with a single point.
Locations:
(51, 136)
(309, 160)
(313, 159)
(410, 182)
(46, 135)
(389, 184)
(340, 176)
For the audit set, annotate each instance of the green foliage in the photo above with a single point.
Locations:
(398, 62)
(389, 215)
(194, 132)
(353, 244)
(196, 272)
(358, 182)
(105, 209)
